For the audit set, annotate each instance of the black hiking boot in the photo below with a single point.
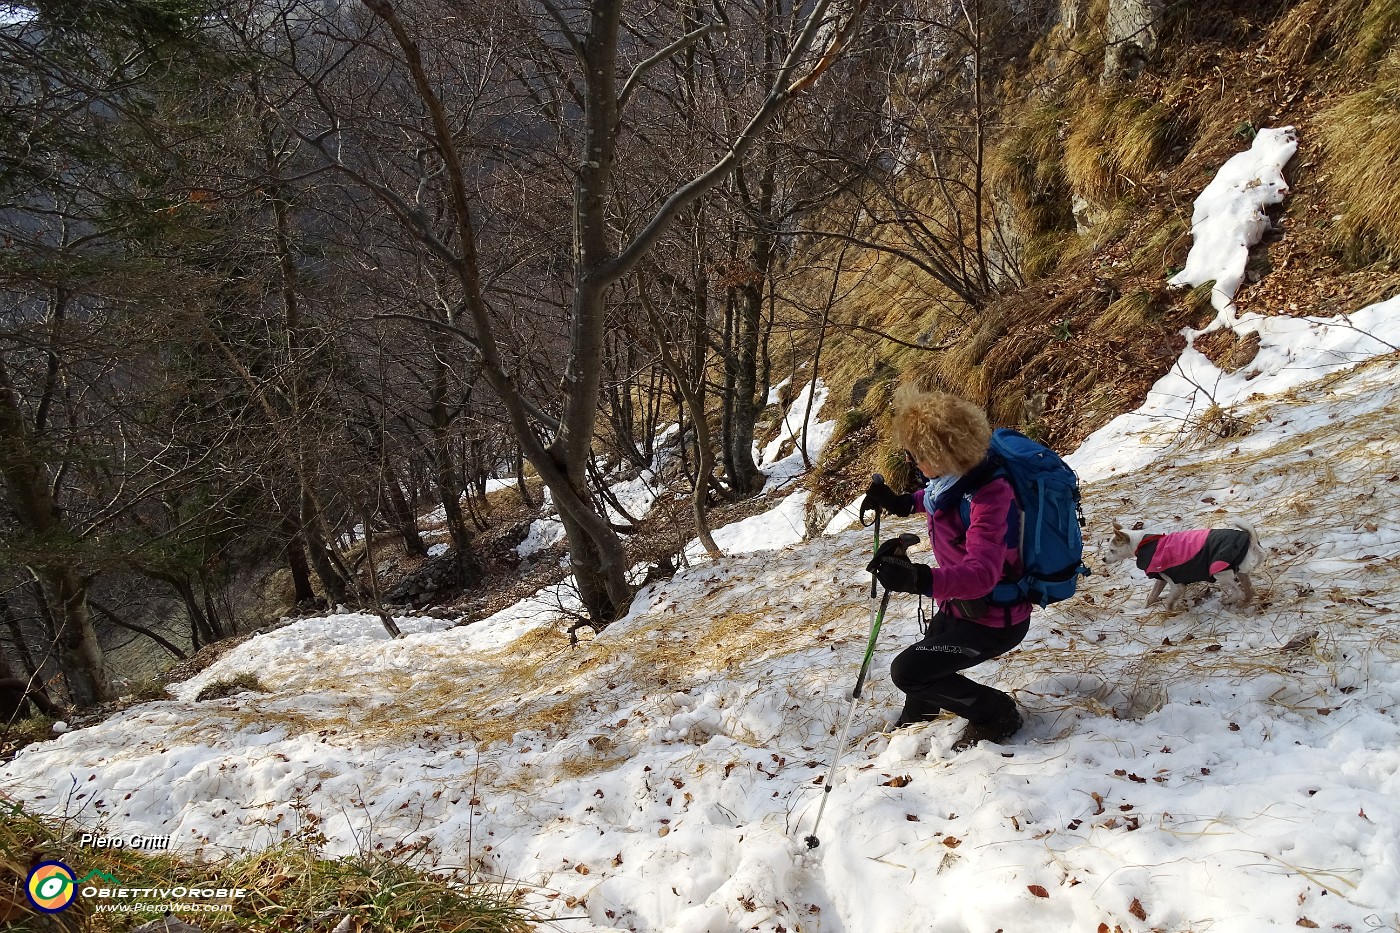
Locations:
(999, 729)
(908, 719)
(915, 712)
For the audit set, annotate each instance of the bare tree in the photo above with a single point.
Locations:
(588, 103)
(689, 378)
(122, 452)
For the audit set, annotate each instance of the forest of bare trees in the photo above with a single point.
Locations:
(272, 271)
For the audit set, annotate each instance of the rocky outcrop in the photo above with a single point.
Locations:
(438, 578)
(1131, 33)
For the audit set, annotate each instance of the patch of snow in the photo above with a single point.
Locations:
(544, 533)
(1229, 216)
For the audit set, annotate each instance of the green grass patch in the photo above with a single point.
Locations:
(291, 888)
(15, 735)
(238, 683)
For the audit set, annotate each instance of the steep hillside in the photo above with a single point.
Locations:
(1096, 180)
(1190, 770)
(1201, 769)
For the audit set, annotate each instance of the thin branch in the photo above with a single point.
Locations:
(642, 67)
(139, 629)
(784, 88)
(569, 35)
(548, 420)
(945, 276)
(833, 51)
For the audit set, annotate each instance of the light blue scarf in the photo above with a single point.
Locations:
(937, 487)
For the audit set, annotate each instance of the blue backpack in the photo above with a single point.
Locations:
(1050, 537)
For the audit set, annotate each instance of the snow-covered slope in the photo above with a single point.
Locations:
(1201, 770)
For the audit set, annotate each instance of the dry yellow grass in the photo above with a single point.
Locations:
(1062, 133)
(1358, 32)
(1114, 142)
(1027, 168)
(1169, 239)
(538, 685)
(1362, 138)
(1132, 310)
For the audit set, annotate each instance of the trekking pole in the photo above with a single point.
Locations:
(877, 616)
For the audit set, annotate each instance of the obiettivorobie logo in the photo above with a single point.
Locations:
(51, 887)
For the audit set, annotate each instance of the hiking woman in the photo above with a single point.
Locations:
(948, 438)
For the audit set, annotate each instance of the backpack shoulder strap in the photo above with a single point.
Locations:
(971, 481)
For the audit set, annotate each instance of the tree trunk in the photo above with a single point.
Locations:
(22, 652)
(84, 665)
(211, 610)
(623, 389)
(200, 629)
(520, 484)
(41, 609)
(693, 396)
(313, 533)
(731, 378)
(312, 522)
(595, 550)
(404, 518)
(29, 491)
(747, 479)
(303, 592)
(599, 571)
(598, 555)
(376, 594)
(445, 473)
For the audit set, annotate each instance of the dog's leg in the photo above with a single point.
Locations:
(1174, 594)
(1229, 585)
(1246, 587)
(1156, 590)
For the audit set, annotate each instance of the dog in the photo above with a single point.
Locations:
(1222, 555)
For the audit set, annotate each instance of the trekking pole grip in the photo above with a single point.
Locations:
(865, 505)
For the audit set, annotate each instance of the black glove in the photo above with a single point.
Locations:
(899, 574)
(879, 496)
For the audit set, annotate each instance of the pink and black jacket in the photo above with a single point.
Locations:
(973, 558)
(1192, 556)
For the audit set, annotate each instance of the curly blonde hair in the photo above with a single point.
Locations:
(939, 428)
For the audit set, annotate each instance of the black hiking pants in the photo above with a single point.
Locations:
(927, 671)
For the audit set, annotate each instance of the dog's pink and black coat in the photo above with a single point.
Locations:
(1192, 556)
